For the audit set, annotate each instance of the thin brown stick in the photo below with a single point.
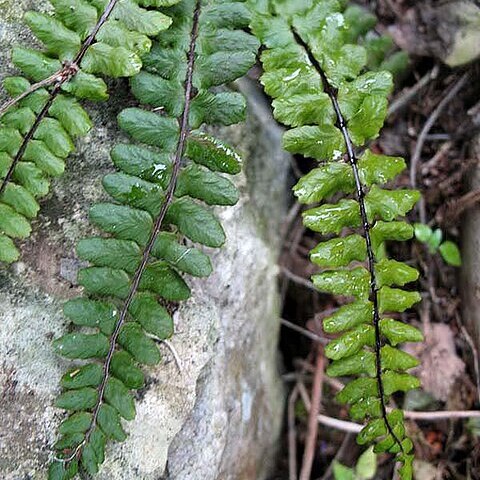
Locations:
(33, 88)
(292, 435)
(324, 419)
(65, 74)
(476, 365)
(424, 132)
(298, 279)
(405, 98)
(305, 332)
(312, 432)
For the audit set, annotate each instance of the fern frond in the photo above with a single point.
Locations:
(160, 194)
(83, 40)
(317, 78)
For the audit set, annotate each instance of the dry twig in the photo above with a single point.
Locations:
(314, 410)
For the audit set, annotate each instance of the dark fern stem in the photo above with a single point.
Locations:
(69, 70)
(342, 124)
(334, 99)
(167, 179)
(184, 131)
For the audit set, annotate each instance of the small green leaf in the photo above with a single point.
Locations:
(379, 169)
(82, 346)
(361, 362)
(213, 154)
(8, 251)
(395, 359)
(89, 460)
(113, 62)
(367, 407)
(399, 332)
(110, 252)
(435, 240)
(97, 440)
(451, 253)
(59, 40)
(399, 382)
(77, 15)
(21, 200)
(87, 86)
(34, 64)
(124, 369)
(142, 162)
(323, 182)
(351, 342)
(13, 224)
(71, 115)
(185, 259)
(355, 282)
(52, 133)
(373, 430)
(32, 178)
(77, 423)
(159, 278)
(134, 340)
(340, 472)
(323, 142)
(109, 422)
(366, 467)
(91, 313)
(349, 316)
(82, 399)
(38, 153)
(149, 128)
(422, 232)
(118, 396)
(207, 186)
(396, 300)
(306, 109)
(339, 252)
(89, 375)
(124, 222)
(357, 390)
(383, 231)
(390, 204)
(391, 272)
(105, 282)
(333, 218)
(153, 317)
(196, 222)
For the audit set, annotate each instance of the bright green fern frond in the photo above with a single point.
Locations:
(315, 67)
(160, 207)
(39, 125)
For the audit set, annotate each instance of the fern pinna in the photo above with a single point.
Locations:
(321, 89)
(82, 39)
(157, 195)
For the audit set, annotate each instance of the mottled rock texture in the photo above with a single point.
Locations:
(470, 277)
(220, 418)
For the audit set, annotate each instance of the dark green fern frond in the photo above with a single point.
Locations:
(83, 40)
(161, 194)
(322, 91)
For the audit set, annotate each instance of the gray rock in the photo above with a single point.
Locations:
(470, 273)
(219, 418)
